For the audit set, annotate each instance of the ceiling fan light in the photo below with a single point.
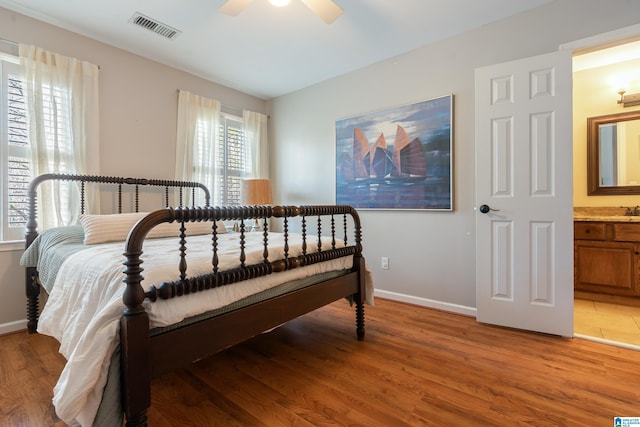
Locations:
(279, 3)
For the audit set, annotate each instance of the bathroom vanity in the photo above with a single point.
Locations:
(607, 256)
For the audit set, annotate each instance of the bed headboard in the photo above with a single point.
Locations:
(119, 184)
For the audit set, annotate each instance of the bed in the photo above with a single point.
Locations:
(205, 287)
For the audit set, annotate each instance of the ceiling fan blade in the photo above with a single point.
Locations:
(325, 9)
(234, 7)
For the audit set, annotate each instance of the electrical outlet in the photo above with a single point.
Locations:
(384, 263)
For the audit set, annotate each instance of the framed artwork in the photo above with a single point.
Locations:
(399, 158)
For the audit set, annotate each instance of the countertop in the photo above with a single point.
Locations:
(606, 214)
(607, 218)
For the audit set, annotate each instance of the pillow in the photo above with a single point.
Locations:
(116, 227)
(108, 228)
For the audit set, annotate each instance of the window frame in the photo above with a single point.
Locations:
(10, 237)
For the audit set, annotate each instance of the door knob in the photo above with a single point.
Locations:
(486, 208)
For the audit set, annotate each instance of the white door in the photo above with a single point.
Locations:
(524, 152)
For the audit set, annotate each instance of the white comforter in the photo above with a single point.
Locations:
(85, 305)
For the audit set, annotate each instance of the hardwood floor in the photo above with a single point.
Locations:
(417, 366)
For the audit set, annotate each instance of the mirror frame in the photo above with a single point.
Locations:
(593, 156)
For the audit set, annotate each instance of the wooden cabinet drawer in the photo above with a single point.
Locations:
(589, 230)
(626, 232)
(606, 267)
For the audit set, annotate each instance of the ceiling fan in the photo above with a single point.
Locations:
(325, 9)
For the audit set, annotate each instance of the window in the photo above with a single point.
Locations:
(56, 152)
(14, 154)
(219, 149)
(230, 165)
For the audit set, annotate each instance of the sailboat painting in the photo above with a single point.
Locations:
(399, 158)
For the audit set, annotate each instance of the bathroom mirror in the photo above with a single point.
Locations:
(613, 154)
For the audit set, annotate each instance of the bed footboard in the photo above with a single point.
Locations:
(143, 356)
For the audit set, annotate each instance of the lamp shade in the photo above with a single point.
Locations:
(256, 192)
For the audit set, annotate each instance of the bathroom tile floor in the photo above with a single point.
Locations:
(611, 322)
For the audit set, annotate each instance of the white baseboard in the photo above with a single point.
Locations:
(7, 328)
(424, 302)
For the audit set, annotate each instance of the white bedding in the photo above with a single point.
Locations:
(85, 305)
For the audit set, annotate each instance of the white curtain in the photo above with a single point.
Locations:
(198, 128)
(62, 106)
(256, 136)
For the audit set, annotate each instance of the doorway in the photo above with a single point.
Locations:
(598, 76)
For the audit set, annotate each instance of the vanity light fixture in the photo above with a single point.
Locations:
(628, 100)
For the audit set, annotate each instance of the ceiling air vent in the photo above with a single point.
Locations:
(155, 26)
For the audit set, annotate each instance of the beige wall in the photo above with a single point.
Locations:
(595, 94)
(138, 108)
(431, 254)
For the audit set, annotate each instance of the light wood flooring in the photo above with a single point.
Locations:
(416, 367)
(612, 322)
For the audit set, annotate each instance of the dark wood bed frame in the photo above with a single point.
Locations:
(144, 356)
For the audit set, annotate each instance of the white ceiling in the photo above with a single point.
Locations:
(267, 51)
(612, 55)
